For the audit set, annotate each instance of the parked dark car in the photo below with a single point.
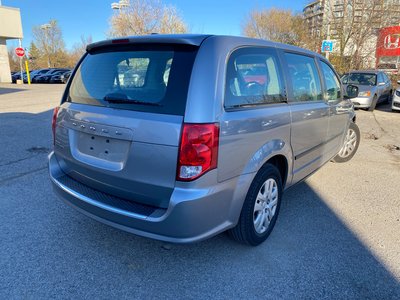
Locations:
(57, 77)
(36, 73)
(65, 77)
(39, 73)
(32, 74)
(17, 76)
(45, 78)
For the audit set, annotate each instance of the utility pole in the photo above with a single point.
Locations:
(46, 27)
(20, 61)
(328, 37)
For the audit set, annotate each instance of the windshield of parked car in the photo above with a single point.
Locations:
(359, 79)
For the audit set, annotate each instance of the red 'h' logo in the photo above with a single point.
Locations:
(392, 41)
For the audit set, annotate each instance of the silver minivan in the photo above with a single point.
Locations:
(182, 137)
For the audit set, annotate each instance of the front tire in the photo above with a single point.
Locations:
(350, 145)
(373, 103)
(260, 208)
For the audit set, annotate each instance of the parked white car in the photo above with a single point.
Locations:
(396, 98)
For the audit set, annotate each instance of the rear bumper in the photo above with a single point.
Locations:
(192, 215)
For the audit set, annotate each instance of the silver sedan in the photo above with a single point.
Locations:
(373, 87)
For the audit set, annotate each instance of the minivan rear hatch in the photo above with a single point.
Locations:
(118, 128)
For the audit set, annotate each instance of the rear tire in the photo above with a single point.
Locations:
(350, 145)
(260, 208)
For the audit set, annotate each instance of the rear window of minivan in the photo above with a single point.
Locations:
(149, 78)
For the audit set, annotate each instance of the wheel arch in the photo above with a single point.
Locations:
(276, 152)
(281, 163)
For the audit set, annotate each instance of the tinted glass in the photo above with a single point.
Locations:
(333, 89)
(132, 72)
(253, 78)
(361, 79)
(304, 77)
(148, 78)
(387, 66)
(380, 78)
(385, 77)
(345, 78)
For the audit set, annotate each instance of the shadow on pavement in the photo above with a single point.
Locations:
(4, 91)
(386, 107)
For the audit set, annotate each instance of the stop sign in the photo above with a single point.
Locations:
(20, 51)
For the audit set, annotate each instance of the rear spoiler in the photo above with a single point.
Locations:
(184, 39)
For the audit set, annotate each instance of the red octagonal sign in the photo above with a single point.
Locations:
(20, 51)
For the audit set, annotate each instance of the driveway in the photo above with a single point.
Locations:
(337, 236)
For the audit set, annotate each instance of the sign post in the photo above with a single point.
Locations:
(20, 52)
(327, 47)
(28, 76)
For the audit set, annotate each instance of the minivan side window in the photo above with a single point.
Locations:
(253, 78)
(304, 77)
(333, 88)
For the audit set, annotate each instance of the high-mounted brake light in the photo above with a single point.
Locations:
(120, 41)
(198, 151)
(54, 123)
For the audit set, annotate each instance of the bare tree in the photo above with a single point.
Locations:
(50, 43)
(14, 60)
(277, 25)
(35, 57)
(171, 22)
(141, 17)
(78, 49)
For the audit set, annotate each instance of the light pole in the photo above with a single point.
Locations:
(329, 38)
(46, 27)
(117, 6)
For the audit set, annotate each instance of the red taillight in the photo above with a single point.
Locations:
(198, 151)
(54, 123)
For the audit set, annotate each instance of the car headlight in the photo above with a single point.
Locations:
(364, 94)
(397, 93)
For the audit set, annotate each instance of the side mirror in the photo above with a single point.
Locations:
(351, 91)
(381, 83)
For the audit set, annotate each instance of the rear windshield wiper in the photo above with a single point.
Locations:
(125, 100)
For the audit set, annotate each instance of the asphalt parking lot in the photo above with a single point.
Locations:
(337, 236)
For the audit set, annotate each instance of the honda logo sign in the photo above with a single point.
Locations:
(392, 41)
